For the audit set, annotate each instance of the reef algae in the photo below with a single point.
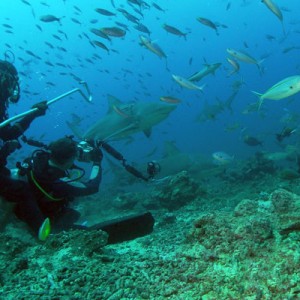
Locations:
(201, 250)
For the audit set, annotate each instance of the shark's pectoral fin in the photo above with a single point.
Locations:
(147, 132)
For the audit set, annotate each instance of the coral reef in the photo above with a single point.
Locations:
(209, 247)
(179, 191)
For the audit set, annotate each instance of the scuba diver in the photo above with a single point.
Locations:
(49, 173)
(45, 197)
(10, 93)
(11, 189)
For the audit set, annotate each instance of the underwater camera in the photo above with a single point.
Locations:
(84, 151)
(153, 168)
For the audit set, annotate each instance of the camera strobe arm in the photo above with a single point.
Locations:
(110, 150)
(117, 155)
(134, 171)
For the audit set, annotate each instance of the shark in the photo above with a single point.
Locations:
(172, 161)
(211, 111)
(208, 69)
(125, 119)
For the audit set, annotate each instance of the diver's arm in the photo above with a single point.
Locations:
(62, 188)
(25, 122)
(11, 132)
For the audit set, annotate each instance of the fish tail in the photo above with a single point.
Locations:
(202, 87)
(261, 100)
(231, 73)
(259, 95)
(260, 67)
(59, 20)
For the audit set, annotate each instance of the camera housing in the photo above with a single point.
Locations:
(153, 168)
(84, 151)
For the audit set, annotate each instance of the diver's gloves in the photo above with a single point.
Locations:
(41, 108)
(44, 230)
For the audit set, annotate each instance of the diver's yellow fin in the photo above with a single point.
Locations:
(44, 230)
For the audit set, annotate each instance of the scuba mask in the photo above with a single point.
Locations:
(14, 92)
(9, 81)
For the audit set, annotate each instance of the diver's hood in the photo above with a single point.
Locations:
(7, 67)
(9, 82)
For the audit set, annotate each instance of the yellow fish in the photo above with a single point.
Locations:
(170, 99)
(153, 47)
(283, 89)
(235, 65)
(243, 56)
(187, 83)
(273, 8)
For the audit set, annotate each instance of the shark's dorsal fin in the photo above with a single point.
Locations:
(112, 101)
(76, 131)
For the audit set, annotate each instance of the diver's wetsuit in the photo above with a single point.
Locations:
(11, 132)
(11, 189)
(54, 190)
(14, 190)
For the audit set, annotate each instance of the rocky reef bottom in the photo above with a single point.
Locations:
(219, 240)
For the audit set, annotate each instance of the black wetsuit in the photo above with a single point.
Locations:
(53, 190)
(11, 132)
(14, 190)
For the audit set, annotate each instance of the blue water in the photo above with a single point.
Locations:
(247, 21)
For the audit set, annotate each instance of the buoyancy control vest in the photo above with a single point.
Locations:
(41, 175)
(44, 177)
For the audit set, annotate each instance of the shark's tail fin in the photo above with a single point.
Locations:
(228, 102)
